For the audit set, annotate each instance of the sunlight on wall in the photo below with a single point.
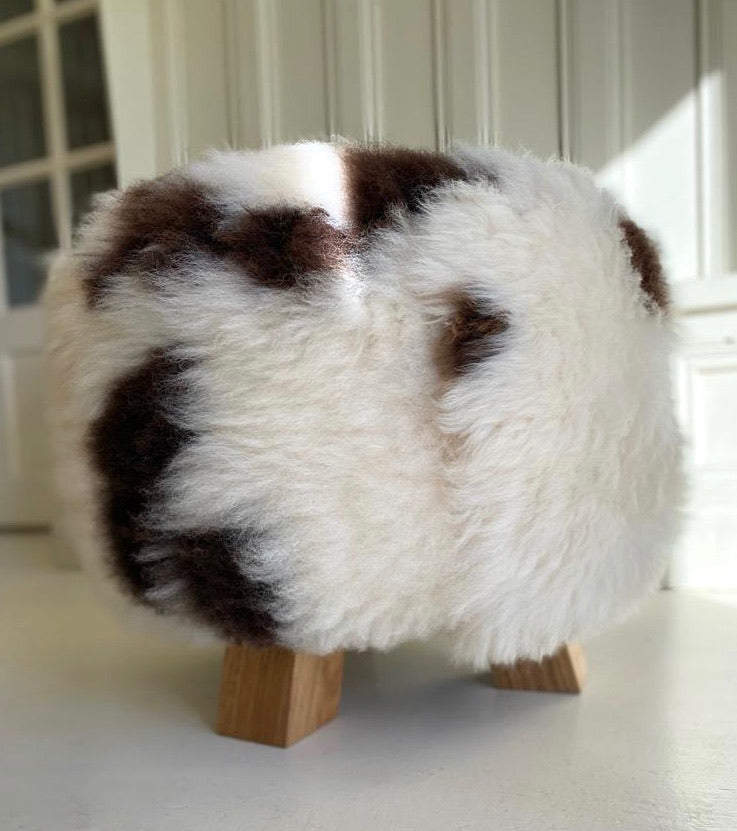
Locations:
(655, 177)
(677, 179)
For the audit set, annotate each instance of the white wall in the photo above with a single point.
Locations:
(642, 91)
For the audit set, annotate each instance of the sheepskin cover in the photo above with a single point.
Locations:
(333, 396)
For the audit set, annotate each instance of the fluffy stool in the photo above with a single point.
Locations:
(324, 397)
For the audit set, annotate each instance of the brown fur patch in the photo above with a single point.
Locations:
(212, 565)
(646, 262)
(131, 445)
(281, 247)
(157, 223)
(381, 180)
(153, 224)
(471, 335)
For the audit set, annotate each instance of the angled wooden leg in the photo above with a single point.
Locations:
(276, 696)
(563, 671)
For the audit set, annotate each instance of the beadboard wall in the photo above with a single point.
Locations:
(644, 92)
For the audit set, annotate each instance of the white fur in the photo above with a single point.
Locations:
(528, 502)
(309, 174)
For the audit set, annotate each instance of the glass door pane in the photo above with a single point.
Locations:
(12, 8)
(86, 183)
(21, 113)
(28, 233)
(85, 101)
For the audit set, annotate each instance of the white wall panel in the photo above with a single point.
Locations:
(466, 74)
(727, 53)
(715, 406)
(354, 58)
(128, 54)
(594, 75)
(25, 487)
(32, 451)
(712, 150)
(202, 35)
(406, 73)
(419, 72)
(524, 73)
(660, 128)
(300, 50)
(706, 556)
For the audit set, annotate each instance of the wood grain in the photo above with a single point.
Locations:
(564, 671)
(276, 696)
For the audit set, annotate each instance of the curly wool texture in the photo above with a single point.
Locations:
(339, 397)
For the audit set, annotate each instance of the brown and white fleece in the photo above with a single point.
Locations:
(336, 396)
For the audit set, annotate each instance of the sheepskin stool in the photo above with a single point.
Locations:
(328, 396)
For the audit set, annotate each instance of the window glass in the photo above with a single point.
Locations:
(86, 183)
(85, 102)
(28, 233)
(12, 8)
(21, 114)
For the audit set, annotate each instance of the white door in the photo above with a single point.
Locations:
(55, 151)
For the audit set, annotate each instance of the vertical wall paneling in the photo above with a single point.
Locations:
(594, 78)
(263, 39)
(407, 75)
(483, 22)
(467, 106)
(525, 75)
(239, 65)
(728, 52)
(249, 47)
(25, 487)
(660, 126)
(204, 70)
(302, 99)
(127, 34)
(330, 68)
(712, 194)
(371, 63)
(31, 451)
(440, 72)
(173, 109)
(565, 87)
(352, 86)
(706, 554)
(707, 360)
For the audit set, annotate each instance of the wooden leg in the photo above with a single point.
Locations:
(276, 696)
(563, 671)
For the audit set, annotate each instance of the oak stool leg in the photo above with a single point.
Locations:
(563, 671)
(276, 696)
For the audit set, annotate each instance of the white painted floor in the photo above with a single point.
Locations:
(103, 729)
